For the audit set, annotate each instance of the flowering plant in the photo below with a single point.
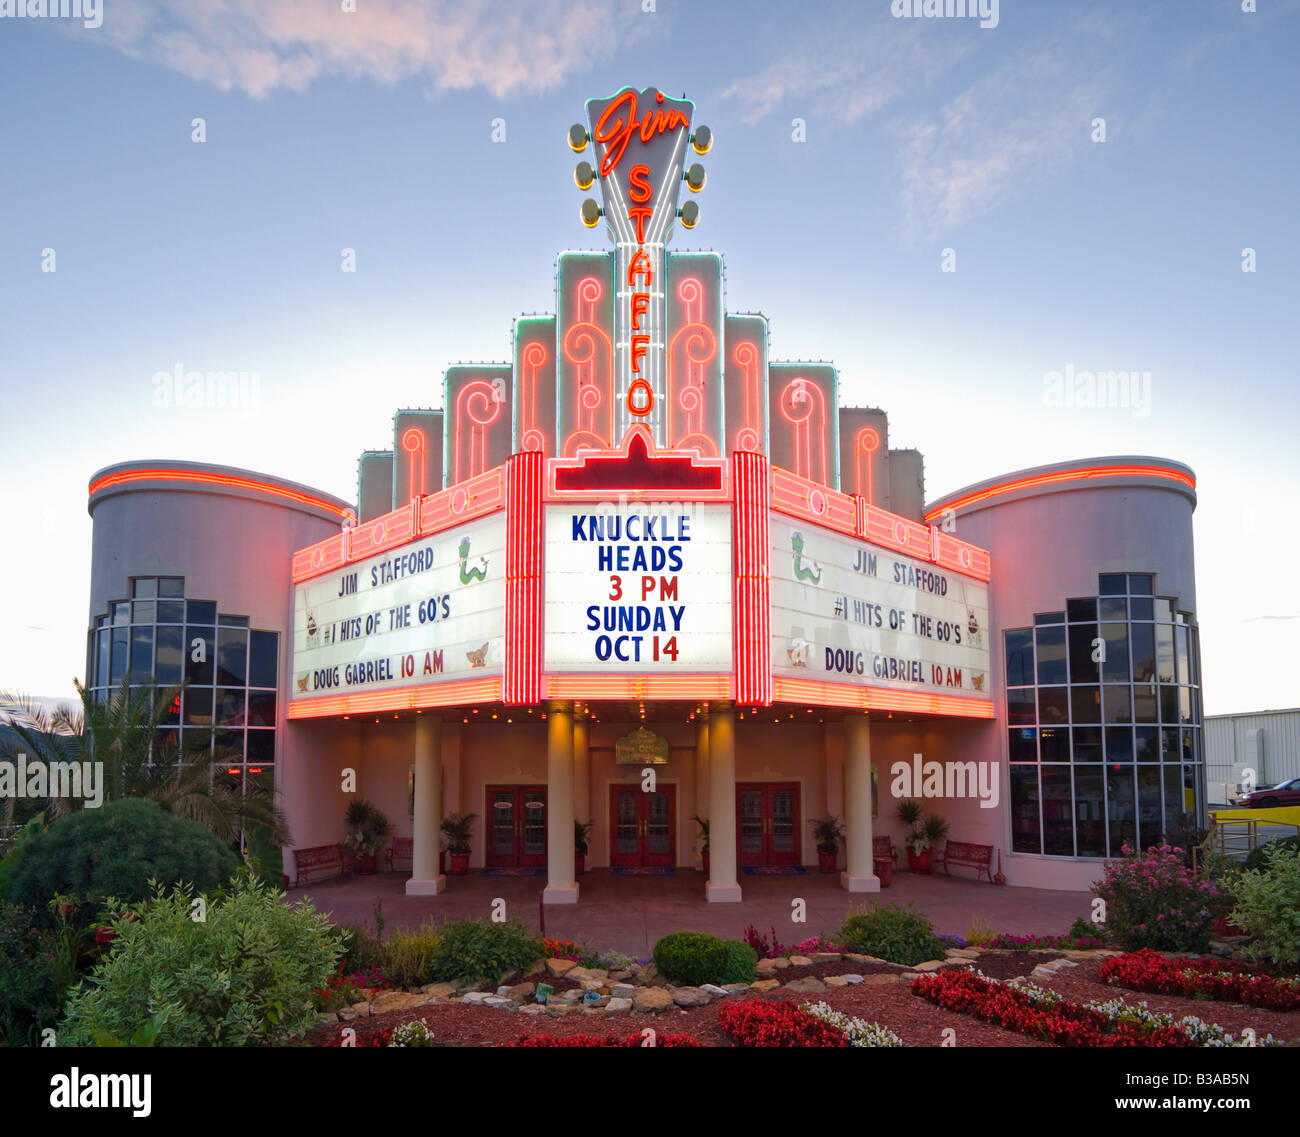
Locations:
(343, 990)
(1008, 942)
(415, 1033)
(857, 1032)
(1149, 971)
(1153, 900)
(758, 1023)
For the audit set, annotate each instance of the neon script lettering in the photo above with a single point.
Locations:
(615, 128)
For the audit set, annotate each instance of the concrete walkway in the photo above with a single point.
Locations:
(628, 914)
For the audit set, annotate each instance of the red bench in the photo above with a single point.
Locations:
(402, 849)
(321, 858)
(964, 854)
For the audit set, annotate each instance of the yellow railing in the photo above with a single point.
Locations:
(1232, 835)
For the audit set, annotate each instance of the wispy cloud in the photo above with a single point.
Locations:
(263, 46)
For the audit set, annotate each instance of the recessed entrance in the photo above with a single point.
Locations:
(767, 823)
(643, 827)
(516, 827)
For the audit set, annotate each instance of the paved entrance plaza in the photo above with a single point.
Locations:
(628, 914)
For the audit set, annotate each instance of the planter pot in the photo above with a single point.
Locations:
(459, 864)
(704, 861)
(828, 862)
(366, 864)
(579, 863)
(918, 862)
(885, 871)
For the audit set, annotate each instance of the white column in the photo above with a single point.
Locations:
(561, 888)
(701, 772)
(581, 769)
(859, 874)
(425, 879)
(722, 886)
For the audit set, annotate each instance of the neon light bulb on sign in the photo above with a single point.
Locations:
(865, 445)
(803, 406)
(582, 345)
(478, 406)
(746, 356)
(534, 357)
(414, 442)
(700, 347)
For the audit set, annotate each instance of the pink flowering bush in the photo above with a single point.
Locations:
(1154, 901)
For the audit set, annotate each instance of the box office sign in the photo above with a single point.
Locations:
(642, 587)
(641, 748)
(849, 612)
(427, 612)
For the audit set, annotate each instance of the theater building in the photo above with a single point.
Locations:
(638, 573)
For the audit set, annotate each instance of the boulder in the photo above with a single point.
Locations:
(583, 974)
(689, 996)
(622, 991)
(826, 957)
(558, 967)
(652, 1000)
(532, 1009)
(735, 988)
(510, 977)
(854, 957)
(714, 991)
(396, 1001)
(522, 991)
(930, 965)
(851, 980)
(780, 963)
(327, 1017)
(442, 990)
(766, 966)
(835, 981)
(347, 1014)
(800, 961)
(619, 976)
(618, 1006)
(765, 984)
(500, 1001)
(477, 998)
(810, 985)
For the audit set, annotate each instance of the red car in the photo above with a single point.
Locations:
(1265, 797)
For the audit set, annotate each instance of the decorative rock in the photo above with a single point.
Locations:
(503, 991)
(851, 980)
(765, 984)
(510, 977)
(646, 973)
(652, 999)
(619, 976)
(571, 996)
(800, 961)
(532, 1009)
(559, 1009)
(522, 990)
(690, 996)
(735, 988)
(884, 977)
(780, 963)
(810, 985)
(593, 985)
(930, 965)
(396, 1001)
(585, 973)
(327, 1017)
(442, 990)
(766, 966)
(622, 991)
(826, 957)
(537, 969)
(854, 957)
(499, 1001)
(558, 967)
(476, 998)
(618, 1006)
(347, 1014)
(716, 992)
(835, 981)
(908, 976)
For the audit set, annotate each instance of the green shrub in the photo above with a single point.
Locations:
(1082, 929)
(692, 958)
(411, 956)
(244, 975)
(362, 951)
(34, 973)
(115, 851)
(9, 863)
(894, 932)
(1268, 906)
(471, 950)
(1154, 901)
(1258, 857)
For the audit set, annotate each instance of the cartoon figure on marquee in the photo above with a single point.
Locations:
(467, 574)
(811, 572)
(478, 658)
(798, 652)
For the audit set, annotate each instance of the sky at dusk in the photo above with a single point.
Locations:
(854, 152)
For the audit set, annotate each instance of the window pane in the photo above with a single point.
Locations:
(1168, 704)
(1175, 799)
(1116, 703)
(263, 648)
(261, 708)
(1020, 657)
(1119, 745)
(1115, 667)
(1050, 647)
(261, 747)
(1087, 744)
(101, 671)
(1054, 743)
(171, 586)
(1021, 707)
(171, 717)
(168, 671)
(142, 611)
(1147, 743)
(1150, 826)
(1083, 610)
(1165, 653)
(1089, 811)
(117, 670)
(1139, 583)
(1144, 703)
(1143, 637)
(1049, 618)
(232, 656)
(1165, 609)
(1194, 639)
(229, 747)
(1121, 809)
(144, 588)
(1184, 704)
(1113, 584)
(142, 654)
(171, 612)
(1053, 705)
(1141, 608)
(200, 648)
(1114, 608)
(1085, 704)
(201, 612)
(1023, 744)
(1083, 668)
(1024, 810)
(198, 706)
(230, 706)
(121, 611)
(1180, 643)
(1058, 833)
(232, 621)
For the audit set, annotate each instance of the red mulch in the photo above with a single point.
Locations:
(915, 1021)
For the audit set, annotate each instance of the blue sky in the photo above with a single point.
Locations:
(373, 131)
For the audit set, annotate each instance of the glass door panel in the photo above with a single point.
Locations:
(658, 828)
(501, 828)
(783, 845)
(533, 811)
(750, 824)
(626, 847)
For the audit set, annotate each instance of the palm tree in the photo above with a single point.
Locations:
(123, 733)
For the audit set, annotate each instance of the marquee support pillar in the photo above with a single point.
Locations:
(859, 873)
(561, 888)
(722, 886)
(702, 769)
(581, 768)
(425, 879)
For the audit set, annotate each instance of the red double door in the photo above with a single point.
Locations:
(643, 827)
(516, 827)
(767, 823)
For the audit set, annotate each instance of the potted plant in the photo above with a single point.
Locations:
(368, 829)
(581, 831)
(455, 827)
(935, 829)
(829, 835)
(703, 839)
(916, 842)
